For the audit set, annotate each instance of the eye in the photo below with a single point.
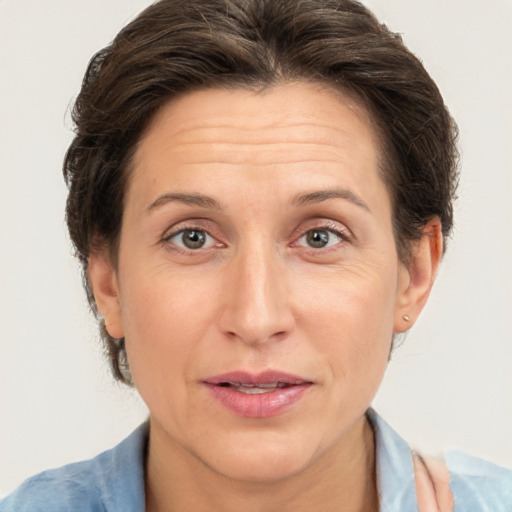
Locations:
(320, 238)
(191, 239)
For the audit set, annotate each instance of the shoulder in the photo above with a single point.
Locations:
(111, 482)
(479, 483)
(475, 484)
(73, 487)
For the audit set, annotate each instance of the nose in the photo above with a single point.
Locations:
(256, 301)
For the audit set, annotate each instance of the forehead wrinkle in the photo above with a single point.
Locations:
(298, 132)
(233, 145)
(224, 134)
(258, 153)
(183, 133)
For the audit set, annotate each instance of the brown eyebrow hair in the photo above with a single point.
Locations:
(325, 195)
(203, 201)
(187, 198)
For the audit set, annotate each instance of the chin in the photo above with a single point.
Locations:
(260, 459)
(266, 468)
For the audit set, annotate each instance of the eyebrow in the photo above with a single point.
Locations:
(190, 199)
(298, 201)
(324, 195)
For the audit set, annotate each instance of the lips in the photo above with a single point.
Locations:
(259, 395)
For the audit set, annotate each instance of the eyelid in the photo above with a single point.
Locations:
(198, 224)
(329, 225)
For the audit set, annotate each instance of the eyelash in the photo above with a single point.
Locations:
(342, 235)
(167, 239)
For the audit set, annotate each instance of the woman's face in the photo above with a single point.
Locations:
(258, 279)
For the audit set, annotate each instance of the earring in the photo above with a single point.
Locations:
(406, 318)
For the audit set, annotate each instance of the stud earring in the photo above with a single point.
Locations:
(406, 318)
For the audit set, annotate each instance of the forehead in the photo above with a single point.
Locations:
(300, 112)
(291, 132)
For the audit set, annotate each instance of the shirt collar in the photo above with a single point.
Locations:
(122, 473)
(395, 469)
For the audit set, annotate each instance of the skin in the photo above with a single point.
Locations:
(258, 295)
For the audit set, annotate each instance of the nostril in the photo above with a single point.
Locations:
(255, 339)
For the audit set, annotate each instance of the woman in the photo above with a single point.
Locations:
(260, 193)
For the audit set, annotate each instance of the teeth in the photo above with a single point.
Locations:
(257, 389)
(267, 386)
(253, 391)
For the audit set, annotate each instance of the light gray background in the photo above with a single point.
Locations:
(450, 385)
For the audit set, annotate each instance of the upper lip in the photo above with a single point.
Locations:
(265, 377)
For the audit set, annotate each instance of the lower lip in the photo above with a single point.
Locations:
(262, 405)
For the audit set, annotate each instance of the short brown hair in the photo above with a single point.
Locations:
(174, 46)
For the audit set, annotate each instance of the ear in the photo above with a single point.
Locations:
(417, 278)
(105, 288)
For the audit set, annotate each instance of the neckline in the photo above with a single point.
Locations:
(395, 468)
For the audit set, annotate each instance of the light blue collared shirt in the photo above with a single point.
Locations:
(114, 480)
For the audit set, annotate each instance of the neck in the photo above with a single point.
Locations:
(343, 479)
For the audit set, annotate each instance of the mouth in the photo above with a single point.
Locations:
(258, 395)
(255, 389)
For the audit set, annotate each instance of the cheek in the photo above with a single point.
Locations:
(163, 301)
(165, 318)
(351, 320)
